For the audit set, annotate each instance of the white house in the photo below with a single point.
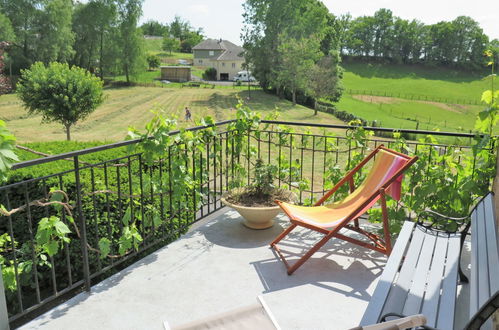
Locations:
(226, 57)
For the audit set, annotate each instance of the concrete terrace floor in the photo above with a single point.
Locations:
(221, 265)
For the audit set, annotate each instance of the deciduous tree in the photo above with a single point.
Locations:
(95, 27)
(6, 31)
(130, 39)
(24, 17)
(297, 60)
(153, 61)
(325, 79)
(154, 28)
(170, 44)
(55, 36)
(191, 39)
(59, 93)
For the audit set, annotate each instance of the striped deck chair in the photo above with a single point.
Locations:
(384, 178)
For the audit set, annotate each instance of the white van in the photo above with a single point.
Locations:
(243, 76)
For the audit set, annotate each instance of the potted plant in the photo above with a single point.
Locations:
(256, 202)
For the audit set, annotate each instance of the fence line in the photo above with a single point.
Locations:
(417, 97)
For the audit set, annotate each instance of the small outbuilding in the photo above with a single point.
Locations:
(176, 73)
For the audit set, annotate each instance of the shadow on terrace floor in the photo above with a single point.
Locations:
(322, 270)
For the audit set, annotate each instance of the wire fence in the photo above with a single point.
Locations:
(416, 97)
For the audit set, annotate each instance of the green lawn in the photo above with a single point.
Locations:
(405, 80)
(130, 106)
(400, 113)
(154, 46)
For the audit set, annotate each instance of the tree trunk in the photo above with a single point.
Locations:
(294, 97)
(68, 132)
(315, 107)
(101, 55)
(126, 74)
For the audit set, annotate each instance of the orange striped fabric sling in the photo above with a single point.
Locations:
(384, 167)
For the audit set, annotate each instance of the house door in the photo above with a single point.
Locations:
(224, 76)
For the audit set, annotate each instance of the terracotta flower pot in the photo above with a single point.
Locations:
(257, 217)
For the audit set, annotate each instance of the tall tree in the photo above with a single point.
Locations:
(6, 31)
(86, 35)
(185, 33)
(383, 33)
(470, 41)
(107, 27)
(457, 43)
(362, 36)
(179, 28)
(297, 60)
(95, 27)
(55, 36)
(441, 49)
(24, 17)
(284, 39)
(131, 39)
(267, 20)
(154, 28)
(344, 23)
(493, 46)
(170, 44)
(191, 39)
(325, 79)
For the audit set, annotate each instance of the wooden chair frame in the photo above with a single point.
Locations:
(377, 243)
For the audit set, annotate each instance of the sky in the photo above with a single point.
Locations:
(223, 18)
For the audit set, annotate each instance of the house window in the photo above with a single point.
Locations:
(212, 53)
(233, 65)
(223, 63)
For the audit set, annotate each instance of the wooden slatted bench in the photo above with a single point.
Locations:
(484, 281)
(421, 274)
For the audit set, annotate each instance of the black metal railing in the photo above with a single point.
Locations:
(103, 193)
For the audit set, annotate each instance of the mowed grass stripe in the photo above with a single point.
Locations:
(130, 106)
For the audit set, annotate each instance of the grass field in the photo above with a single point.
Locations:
(124, 107)
(153, 46)
(434, 82)
(400, 113)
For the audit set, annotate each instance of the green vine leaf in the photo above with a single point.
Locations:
(50, 234)
(7, 147)
(127, 216)
(104, 247)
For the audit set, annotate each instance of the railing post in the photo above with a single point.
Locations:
(4, 316)
(82, 225)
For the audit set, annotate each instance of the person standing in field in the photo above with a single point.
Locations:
(188, 114)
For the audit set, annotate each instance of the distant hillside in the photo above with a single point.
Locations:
(405, 80)
(413, 96)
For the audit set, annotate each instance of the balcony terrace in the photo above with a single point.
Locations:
(220, 265)
(194, 258)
